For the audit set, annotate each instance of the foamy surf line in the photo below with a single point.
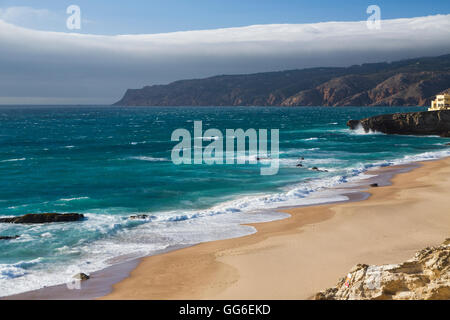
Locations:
(17, 279)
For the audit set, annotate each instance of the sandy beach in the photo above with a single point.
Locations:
(296, 257)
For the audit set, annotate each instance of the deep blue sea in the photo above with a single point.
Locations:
(112, 162)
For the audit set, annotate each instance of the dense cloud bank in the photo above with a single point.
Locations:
(55, 67)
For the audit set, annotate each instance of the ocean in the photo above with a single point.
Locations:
(109, 163)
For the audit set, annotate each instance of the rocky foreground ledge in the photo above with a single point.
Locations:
(411, 123)
(425, 277)
(44, 218)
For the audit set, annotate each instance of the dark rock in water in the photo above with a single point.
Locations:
(354, 124)
(315, 168)
(44, 218)
(299, 165)
(139, 217)
(8, 237)
(411, 123)
(374, 185)
(81, 276)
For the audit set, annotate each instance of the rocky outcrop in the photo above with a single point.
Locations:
(412, 82)
(139, 217)
(411, 123)
(424, 277)
(81, 277)
(8, 237)
(44, 218)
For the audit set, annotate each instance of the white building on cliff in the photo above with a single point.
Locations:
(442, 102)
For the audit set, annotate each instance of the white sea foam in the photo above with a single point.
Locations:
(14, 160)
(152, 159)
(359, 130)
(311, 139)
(16, 270)
(425, 156)
(46, 235)
(73, 199)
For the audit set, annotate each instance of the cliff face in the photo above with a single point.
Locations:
(412, 123)
(402, 83)
(425, 277)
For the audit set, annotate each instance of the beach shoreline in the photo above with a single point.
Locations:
(296, 257)
(217, 261)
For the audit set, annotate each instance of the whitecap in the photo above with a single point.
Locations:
(73, 199)
(359, 130)
(46, 235)
(13, 160)
(311, 139)
(146, 158)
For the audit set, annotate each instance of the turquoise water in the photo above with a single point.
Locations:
(111, 162)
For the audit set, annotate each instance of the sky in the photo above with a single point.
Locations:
(158, 16)
(132, 44)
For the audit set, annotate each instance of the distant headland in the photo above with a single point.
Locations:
(413, 82)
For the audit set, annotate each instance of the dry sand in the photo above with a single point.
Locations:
(296, 257)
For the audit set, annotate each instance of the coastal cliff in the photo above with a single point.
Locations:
(425, 277)
(411, 123)
(412, 82)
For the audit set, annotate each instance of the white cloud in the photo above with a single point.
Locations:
(32, 18)
(51, 64)
(16, 14)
